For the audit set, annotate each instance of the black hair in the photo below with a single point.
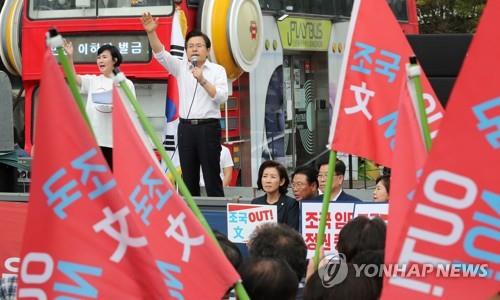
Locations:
(310, 173)
(283, 189)
(115, 53)
(195, 33)
(375, 257)
(231, 251)
(339, 165)
(361, 233)
(386, 181)
(280, 241)
(268, 278)
(352, 287)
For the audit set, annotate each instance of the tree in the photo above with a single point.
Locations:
(449, 16)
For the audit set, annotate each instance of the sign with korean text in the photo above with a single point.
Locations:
(372, 210)
(242, 219)
(133, 47)
(338, 215)
(304, 34)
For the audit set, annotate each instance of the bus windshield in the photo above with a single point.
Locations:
(59, 9)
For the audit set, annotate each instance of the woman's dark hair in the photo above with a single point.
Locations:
(353, 287)
(375, 257)
(283, 189)
(386, 181)
(361, 234)
(115, 53)
(194, 33)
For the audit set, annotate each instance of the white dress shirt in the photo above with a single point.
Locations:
(204, 106)
(100, 114)
(226, 161)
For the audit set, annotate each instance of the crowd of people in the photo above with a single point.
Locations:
(277, 268)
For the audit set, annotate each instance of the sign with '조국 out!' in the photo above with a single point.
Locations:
(242, 219)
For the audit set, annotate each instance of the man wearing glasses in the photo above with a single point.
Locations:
(202, 88)
(304, 183)
(337, 195)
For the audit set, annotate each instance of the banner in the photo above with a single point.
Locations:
(366, 105)
(338, 215)
(242, 219)
(81, 239)
(12, 220)
(372, 210)
(454, 219)
(191, 263)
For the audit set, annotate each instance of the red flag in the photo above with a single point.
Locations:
(185, 254)
(12, 220)
(409, 158)
(366, 107)
(455, 215)
(81, 241)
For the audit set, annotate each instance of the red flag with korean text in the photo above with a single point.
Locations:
(192, 264)
(454, 219)
(366, 105)
(409, 158)
(81, 240)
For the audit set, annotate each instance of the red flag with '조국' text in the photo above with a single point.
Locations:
(453, 223)
(192, 265)
(81, 240)
(366, 106)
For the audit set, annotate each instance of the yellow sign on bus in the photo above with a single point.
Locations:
(304, 34)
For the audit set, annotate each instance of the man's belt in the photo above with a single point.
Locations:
(198, 121)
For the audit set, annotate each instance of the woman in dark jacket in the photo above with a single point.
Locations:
(273, 179)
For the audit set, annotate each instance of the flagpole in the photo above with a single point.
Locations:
(414, 72)
(55, 40)
(324, 208)
(120, 79)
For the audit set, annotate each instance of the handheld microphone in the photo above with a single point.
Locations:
(194, 61)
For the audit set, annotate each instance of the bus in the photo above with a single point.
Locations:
(90, 23)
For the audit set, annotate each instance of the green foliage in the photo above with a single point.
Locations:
(449, 16)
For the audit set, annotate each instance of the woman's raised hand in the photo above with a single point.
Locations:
(68, 47)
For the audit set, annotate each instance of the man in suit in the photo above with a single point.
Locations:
(337, 195)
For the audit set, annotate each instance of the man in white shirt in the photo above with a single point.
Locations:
(202, 88)
(226, 167)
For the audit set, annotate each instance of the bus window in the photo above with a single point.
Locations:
(399, 9)
(59, 9)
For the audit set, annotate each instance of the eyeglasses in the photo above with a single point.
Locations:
(298, 185)
(191, 46)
